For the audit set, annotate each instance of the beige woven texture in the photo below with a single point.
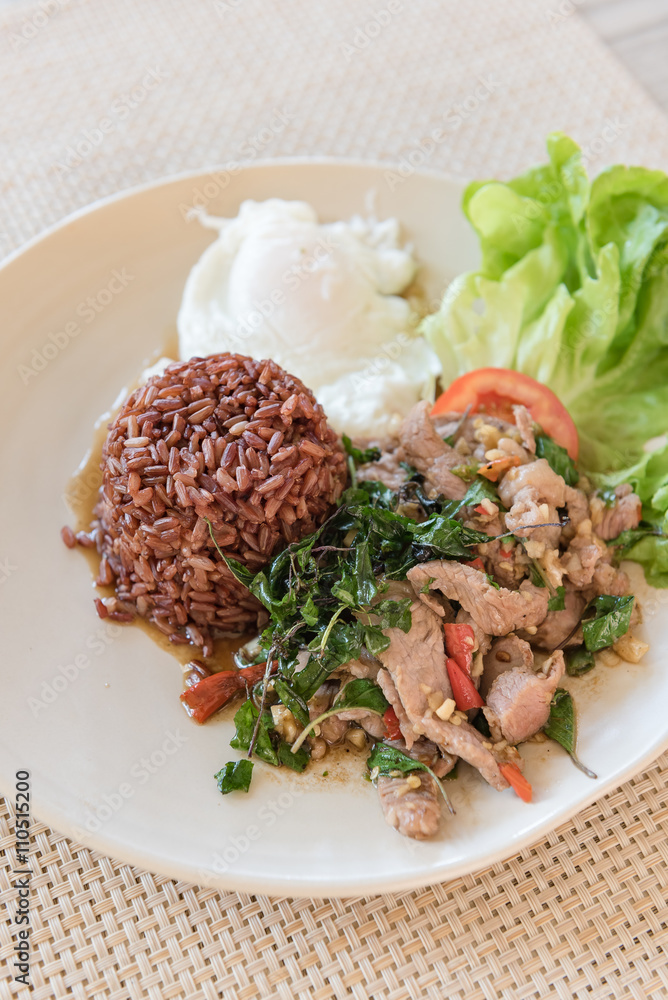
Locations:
(582, 914)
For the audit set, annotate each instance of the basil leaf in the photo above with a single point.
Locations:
(611, 620)
(378, 494)
(244, 722)
(295, 761)
(387, 759)
(557, 603)
(579, 661)
(360, 456)
(394, 614)
(627, 540)
(361, 693)
(309, 611)
(561, 728)
(446, 537)
(560, 725)
(479, 490)
(291, 700)
(375, 640)
(235, 776)
(557, 458)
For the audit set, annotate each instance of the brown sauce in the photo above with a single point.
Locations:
(81, 495)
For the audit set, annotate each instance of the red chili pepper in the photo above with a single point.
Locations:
(517, 781)
(492, 470)
(205, 698)
(477, 563)
(481, 510)
(392, 725)
(459, 643)
(463, 688)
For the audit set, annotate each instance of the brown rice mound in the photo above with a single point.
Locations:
(226, 438)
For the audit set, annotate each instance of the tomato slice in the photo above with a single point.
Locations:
(495, 390)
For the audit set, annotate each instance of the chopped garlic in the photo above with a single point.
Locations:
(413, 781)
(446, 709)
(629, 648)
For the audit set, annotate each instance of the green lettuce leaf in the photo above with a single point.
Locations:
(573, 290)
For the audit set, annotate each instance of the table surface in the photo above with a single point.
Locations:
(637, 32)
(582, 913)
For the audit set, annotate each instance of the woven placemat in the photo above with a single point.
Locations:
(583, 913)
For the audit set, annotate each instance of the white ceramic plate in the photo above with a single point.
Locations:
(95, 716)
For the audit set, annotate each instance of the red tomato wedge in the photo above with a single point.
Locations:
(517, 781)
(495, 390)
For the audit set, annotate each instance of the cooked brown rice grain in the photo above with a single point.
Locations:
(237, 442)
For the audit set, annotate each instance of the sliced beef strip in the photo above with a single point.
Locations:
(582, 555)
(624, 515)
(525, 427)
(415, 812)
(386, 470)
(559, 625)
(482, 640)
(608, 580)
(532, 493)
(416, 664)
(334, 729)
(518, 703)
(496, 612)
(369, 721)
(506, 652)
(386, 685)
(429, 453)
(549, 487)
(466, 742)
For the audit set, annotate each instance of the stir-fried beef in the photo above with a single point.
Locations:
(414, 812)
(369, 721)
(623, 515)
(583, 553)
(416, 664)
(497, 612)
(506, 652)
(429, 453)
(559, 625)
(411, 808)
(518, 702)
(386, 470)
